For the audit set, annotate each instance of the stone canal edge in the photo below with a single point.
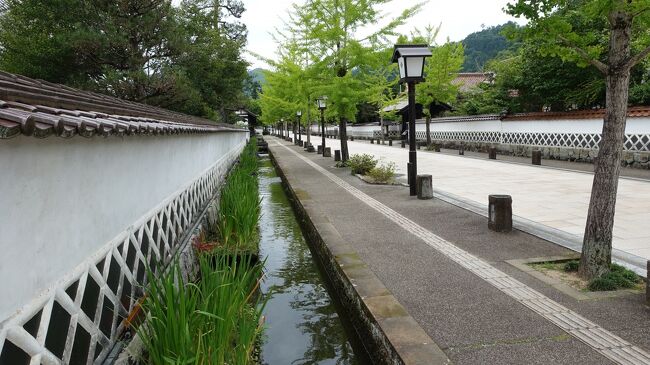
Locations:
(384, 327)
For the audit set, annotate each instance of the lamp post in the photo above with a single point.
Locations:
(298, 115)
(322, 105)
(410, 59)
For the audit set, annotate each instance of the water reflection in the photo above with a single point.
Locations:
(302, 324)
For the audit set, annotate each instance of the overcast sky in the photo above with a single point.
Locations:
(458, 17)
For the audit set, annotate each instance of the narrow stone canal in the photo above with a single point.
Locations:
(302, 322)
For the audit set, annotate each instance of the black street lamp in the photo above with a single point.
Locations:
(298, 115)
(410, 59)
(322, 105)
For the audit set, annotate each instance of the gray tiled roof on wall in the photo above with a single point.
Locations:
(42, 109)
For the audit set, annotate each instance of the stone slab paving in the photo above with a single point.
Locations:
(555, 198)
(452, 275)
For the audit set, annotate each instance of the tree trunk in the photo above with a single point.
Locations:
(597, 244)
(343, 134)
(308, 126)
(428, 128)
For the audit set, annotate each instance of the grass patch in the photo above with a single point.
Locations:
(384, 173)
(618, 278)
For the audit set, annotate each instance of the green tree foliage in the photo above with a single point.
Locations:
(612, 37)
(186, 59)
(440, 71)
(288, 87)
(341, 53)
(481, 47)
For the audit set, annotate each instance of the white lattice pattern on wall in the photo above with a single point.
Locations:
(78, 320)
(637, 142)
(469, 136)
(570, 140)
(633, 142)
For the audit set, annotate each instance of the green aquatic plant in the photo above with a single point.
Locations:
(239, 206)
(213, 321)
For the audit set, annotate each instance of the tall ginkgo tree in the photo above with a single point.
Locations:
(343, 36)
(288, 86)
(613, 40)
(438, 87)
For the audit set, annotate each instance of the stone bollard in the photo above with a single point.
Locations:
(418, 145)
(337, 155)
(500, 213)
(372, 141)
(310, 148)
(390, 142)
(436, 148)
(461, 151)
(351, 138)
(319, 150)
(537, 157)
(424, 186)
(328, 152)
(301, 143)
(492, 153)
(403, 144)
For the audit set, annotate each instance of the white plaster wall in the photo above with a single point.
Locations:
(634, 126)
(61, 200)
(555, 126)
(477, 126)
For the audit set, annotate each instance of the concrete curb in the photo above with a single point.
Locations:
(386, 330)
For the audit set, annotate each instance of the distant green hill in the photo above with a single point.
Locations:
(482, 46)
(258, 75)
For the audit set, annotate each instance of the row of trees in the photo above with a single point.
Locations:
(322, 53)
(185, 58)
(574, 53)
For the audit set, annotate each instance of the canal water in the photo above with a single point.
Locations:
(302, 323)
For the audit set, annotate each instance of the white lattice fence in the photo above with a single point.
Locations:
(570, 140)
(78, 320)
(470, 136)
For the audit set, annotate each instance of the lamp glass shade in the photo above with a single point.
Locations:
(299, 113)
(414, 66)
(321, 102)
(402, 67)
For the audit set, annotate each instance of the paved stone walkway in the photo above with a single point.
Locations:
(458, 281)
(551, 197)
